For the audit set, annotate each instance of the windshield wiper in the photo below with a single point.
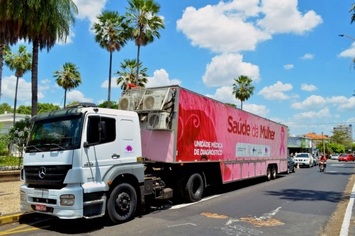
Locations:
(53, 144)
(34, 148)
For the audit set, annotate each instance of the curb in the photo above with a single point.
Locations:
(6, 219)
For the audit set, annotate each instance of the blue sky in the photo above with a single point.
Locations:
(301, 69)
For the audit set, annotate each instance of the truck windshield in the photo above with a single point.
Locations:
(55, 134)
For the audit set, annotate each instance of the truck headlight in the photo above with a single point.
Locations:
(22, 196)
(67, 200)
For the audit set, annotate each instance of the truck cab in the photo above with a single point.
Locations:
(75, 160)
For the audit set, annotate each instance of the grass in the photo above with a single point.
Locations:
(6, 161)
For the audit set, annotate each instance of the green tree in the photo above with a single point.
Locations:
(46, 107)
(9, 32)
(114, 105)
(42, 23)
(144, 24)
(341, 137)
(111, 34)
(127, 74)
(20, 63)
(68, 78)
(42, 107)
(243, 89)
(4, 108)
(19, 134)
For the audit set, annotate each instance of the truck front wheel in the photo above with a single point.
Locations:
(194, 188)
(122, 203)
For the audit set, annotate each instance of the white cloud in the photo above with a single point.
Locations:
(312, 115)
(240, 25)
(224, 94)
(89, 9)
(104, 84)
(276, 91)
(161, 78)
(223, 69)
(308, 87)
(256, 109)
(289, 66)
(76, 95)
(307, 56)
(312, 102)
(24, 95)
(348, 52)
(225, 27)
(278, 12)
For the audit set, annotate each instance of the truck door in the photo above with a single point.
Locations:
(101, 149)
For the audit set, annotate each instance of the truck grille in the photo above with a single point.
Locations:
(46, 176)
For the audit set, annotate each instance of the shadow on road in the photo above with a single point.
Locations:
(307, 195)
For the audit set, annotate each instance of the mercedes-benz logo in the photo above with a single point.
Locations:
(42, 172)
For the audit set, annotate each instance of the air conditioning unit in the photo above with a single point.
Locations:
(127, 103)
(130, 99)
(158, 120)
(154, 99)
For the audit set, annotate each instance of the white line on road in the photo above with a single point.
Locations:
(189, 204)
(346, 222)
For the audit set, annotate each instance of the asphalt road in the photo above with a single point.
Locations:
(300, 203)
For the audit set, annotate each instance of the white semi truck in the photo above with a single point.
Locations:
(86, 161)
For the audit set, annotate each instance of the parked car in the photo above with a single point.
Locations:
(290, 165)
(346, 157)
(304, 159)
(334, 156)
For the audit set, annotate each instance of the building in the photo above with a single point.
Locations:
(7, 119)
(348, 129)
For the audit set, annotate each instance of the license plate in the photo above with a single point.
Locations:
(41, 207)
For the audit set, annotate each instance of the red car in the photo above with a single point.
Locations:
(346, 157)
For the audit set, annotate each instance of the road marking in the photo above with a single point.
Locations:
(346, 222)
(192, 203)
(170, 226)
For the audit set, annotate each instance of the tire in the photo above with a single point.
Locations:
(288, 170)
(273, 172)
(194, 188)
(268, 174)
(122, 203)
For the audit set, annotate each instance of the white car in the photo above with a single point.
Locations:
(334, 156)
(304, 159)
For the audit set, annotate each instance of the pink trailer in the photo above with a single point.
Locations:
(192, 141)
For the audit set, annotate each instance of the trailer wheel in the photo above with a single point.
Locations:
(194, 188)
(268, 174)
(122, 203)
(273, 172)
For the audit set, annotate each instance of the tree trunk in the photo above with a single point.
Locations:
(65, 97)
(2, 48)
(15, 100)
(138, 52)
(109, 82)
(34, 77)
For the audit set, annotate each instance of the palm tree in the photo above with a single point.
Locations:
(127, 75)
(68, 78)
(144, 24)
(242, 89)
(9, 33)
(21, 63)
(43, 23)
(352, 9)
(111, 34)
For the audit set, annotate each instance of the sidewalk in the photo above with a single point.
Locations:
(10, 197)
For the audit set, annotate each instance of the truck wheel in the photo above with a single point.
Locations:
(273, 172)
(122, 203)
(194, 188)
(268, 174)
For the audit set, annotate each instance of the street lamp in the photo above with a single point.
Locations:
(345, 35)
